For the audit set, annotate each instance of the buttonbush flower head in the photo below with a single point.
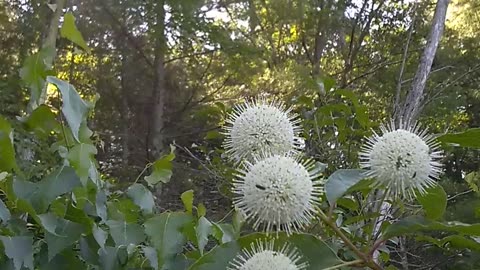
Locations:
(263, 256)
(278, 193)
(404, 159)
(260, 126)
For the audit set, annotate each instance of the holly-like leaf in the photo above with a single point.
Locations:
(142, 197)
(69, 31)
(313, 250)
(74, 108)
(161, 169)
(7, 156)
(434, 202)
(187, 199)
(20, 250)
(165, 233)
(340, 181)
(124, 233)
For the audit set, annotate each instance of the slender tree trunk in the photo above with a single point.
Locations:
(159, 87)
(124, 110)
(411, 107)
(50, 42)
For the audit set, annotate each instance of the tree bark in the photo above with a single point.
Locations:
(159, 87)
(411, 107)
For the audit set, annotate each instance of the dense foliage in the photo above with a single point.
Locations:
(112, 151)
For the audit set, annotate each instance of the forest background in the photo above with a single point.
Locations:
(164, 74)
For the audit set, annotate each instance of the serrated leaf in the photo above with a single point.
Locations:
(165, 234)
(161, 169)
(340, 181)
(69, 30)
(74, 108)
(187, 199)
(201, 210)
(124, 233)
(20, 250)
(7, 156)
(142, 197)
(203, 230)
(434, 202)
(468, 138)
(318, 254)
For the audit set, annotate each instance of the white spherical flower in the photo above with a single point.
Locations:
(278, 193)
(261, 126)
(403, 159)
(263, 256)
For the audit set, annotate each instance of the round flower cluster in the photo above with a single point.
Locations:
(263, 256)
(404, 160)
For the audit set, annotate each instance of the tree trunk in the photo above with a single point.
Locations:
(411, 107)
(159, 87)
(49, 42)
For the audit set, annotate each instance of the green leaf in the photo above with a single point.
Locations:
(469, 138)
(124, 233)
(165, 233)
(99, 235)
(318, 254)
(142, 197)
(201, 210)
(203, 230)
(455, 241)
(213, 134)
(187, 199)
(69, 31)
(473, 181)
(162, 169)
(41, 194)
(20, 250)
(108, 258)
(64, 260)
(415, 224)
(60, 233)
(74, 108)
(7, 156)
(224, 233)
(340, 181)
(124, 210)
(4, 212)
(42, 121)
(434, 202)
(151, 255)
(34, 72)
(80, 157)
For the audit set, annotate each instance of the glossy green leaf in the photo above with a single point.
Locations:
(165, 233)
(203, 230)
(7, 156)
(415, 224)
(434, 202)
(69, 30)
(161, 169)
(318, 254)
(142, 197)
(468, 138)
(20, 250)
(124, 233)
(74, 108)
(340, 181)
(187, 199)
